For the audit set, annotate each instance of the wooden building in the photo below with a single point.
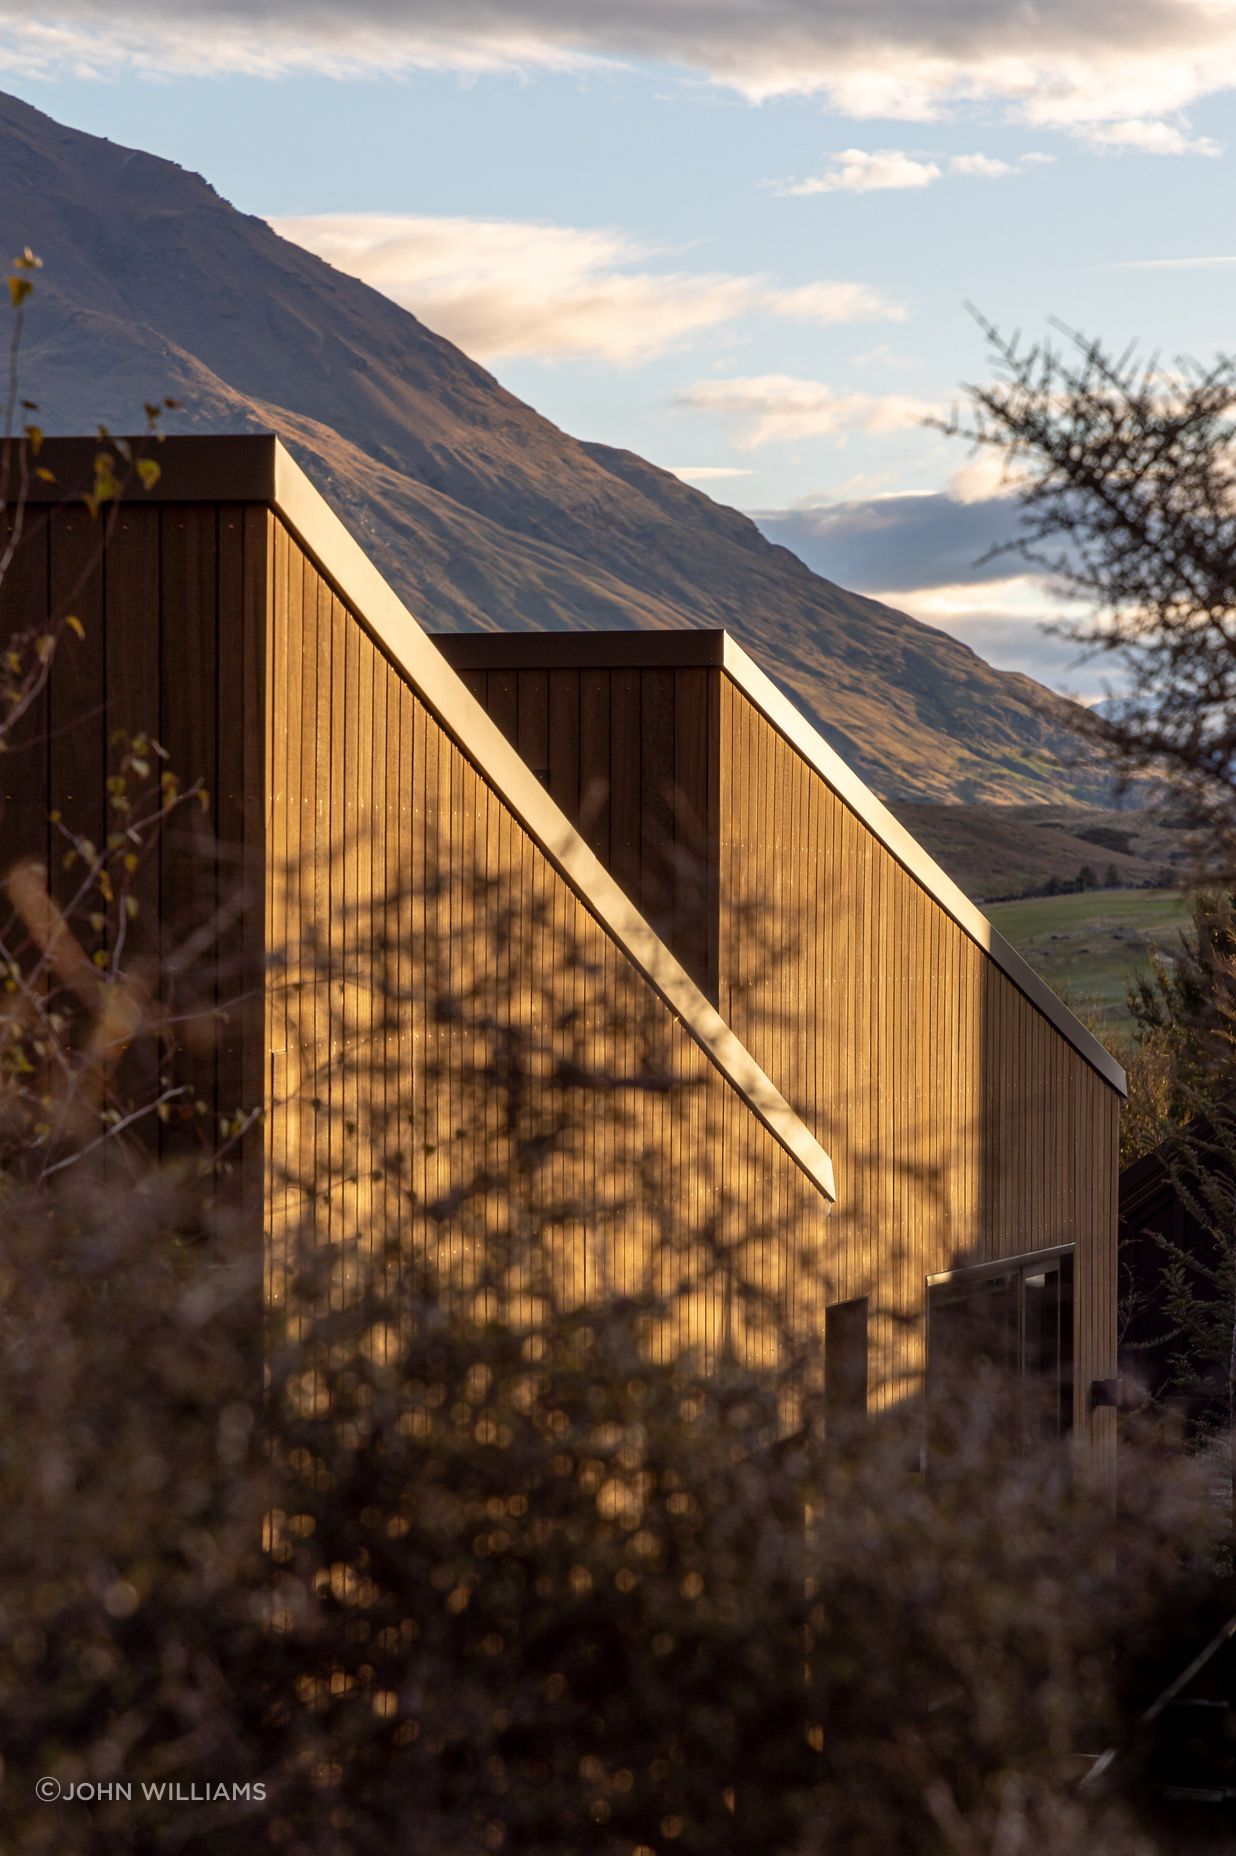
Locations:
(461, 1022)
(437, 857)
(972, 1120)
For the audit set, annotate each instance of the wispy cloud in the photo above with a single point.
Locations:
(1005, 625)
(1150, 138)
(857, 170)
(834, 302)
(1068, 63)
(773, 408)
(705, 473)
(880, 170)
(981, 167)
(503, 287)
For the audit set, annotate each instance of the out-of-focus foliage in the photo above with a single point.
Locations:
(456, 1585)
(446, 1550)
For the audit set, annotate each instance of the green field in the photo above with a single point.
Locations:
(1086, 946)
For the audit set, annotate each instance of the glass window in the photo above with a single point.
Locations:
(1002, 1334)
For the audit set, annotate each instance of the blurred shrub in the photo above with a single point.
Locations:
(430, 1565)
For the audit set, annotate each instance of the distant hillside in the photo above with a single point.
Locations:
(995, 852)
(482, 513)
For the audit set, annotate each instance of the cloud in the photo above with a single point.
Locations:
(779, 407)
(1150, 138)
(1007, 629)
(981, 167)
(857, 171)
(924, 555)
(887, 544)
(503, 287)
(885, 169)
(987, 476)
(705, 473)
(1064, 63)
(834, 302)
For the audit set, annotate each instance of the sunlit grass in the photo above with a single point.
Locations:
(1087, 946)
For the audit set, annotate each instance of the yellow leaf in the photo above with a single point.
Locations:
(44, 475)
(149, 472)
(44, 644)
(19, 290)
(75, 625)
(130, 907)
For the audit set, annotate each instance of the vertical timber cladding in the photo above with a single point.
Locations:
(170, 600)
(353, 848)
(628, 750)
(965, 1125)
(427, 941)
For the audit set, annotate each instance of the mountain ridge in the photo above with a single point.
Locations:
(482, 513)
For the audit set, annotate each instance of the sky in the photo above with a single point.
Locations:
(738, 239)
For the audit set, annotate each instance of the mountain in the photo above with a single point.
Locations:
(480, 512)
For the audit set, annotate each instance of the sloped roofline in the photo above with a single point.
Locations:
(258, 468)
(717, 649)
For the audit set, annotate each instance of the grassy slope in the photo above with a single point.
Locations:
(1086, 946)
